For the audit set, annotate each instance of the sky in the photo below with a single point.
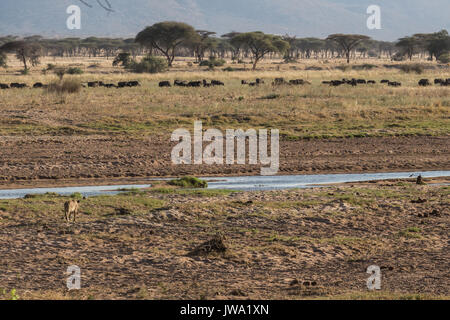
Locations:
(303, 18)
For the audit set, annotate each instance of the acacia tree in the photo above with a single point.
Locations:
(260, 44)
(166, 37)
(227, 44)
(408, 46)
(202, 43)
(25, 52)
(435, 43)
(348, 42)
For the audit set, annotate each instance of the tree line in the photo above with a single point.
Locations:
(173, 39)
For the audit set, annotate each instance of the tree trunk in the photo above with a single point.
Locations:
(24, 60)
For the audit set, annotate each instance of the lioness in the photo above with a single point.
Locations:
(70, 207)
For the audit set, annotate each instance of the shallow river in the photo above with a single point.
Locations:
(250, 183)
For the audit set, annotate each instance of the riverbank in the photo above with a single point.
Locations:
(58, 160)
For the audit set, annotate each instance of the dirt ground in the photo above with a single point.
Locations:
(40, 160)
(296, 244)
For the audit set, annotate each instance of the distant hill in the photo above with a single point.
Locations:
(303, 18)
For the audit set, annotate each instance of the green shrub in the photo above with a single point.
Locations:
(212, 62)
(75, 70)
(444, 58)
(76, 196)
(123, 58)
(149, 64)
(189, 182)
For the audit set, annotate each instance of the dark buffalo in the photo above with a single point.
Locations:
(93, 84)
(298, 82)
(18, 85)
(180, 83)
(217, 83)
(195, 84)
(336, 83)
(371, 82)
(385, 81)
(394, 84)
(424, 82)
(4, 86)
(279, 81)
(133, 84)
(164, 84)
(38, 85)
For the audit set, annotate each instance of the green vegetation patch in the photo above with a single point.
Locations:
(189, 182)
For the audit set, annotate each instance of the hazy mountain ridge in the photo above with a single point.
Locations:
(296, 17)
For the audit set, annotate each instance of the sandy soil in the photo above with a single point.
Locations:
(43, 159)
(279, 245)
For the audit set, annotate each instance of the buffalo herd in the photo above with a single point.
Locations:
(91, 84)
(204, 83)
(196, 84)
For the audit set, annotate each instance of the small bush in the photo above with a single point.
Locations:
(75, 70)
(408, 68)
(65, 86)
(123, 58)
(212, 62)
(398, 57)
(76, 196)
(149, 64)
(189, 182)
(444, 58)
(229, 69)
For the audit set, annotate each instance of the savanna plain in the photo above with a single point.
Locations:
(169, 242)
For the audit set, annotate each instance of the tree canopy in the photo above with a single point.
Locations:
(26, 51)
(166, 37)
(348, 42)
(260, 44)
